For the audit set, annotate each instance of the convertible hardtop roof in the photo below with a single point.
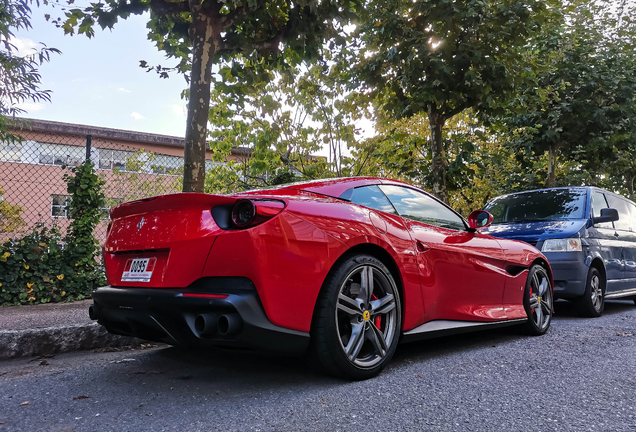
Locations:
(333, 187)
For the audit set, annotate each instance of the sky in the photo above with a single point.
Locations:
(98, 81)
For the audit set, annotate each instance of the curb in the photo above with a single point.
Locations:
(54, 340)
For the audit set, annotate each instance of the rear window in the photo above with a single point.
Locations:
(536, 206)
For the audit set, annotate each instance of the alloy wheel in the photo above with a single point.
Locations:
(540, 299)
(596, 293)
(366, 316)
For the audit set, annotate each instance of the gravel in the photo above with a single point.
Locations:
(580, 376)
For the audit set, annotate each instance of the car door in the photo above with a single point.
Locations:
(462, 273)
(623, 239)
(629, 250)
(605, 238)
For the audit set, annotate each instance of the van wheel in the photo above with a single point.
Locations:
(592, 302)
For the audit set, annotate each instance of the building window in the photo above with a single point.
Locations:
(110, 203)
(113, 159)
(60, 155)
(59, 205)
(10, 151)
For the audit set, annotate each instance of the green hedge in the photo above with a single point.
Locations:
(42, 266)
(36, 269)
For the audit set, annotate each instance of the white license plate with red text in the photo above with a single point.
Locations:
(138, 270)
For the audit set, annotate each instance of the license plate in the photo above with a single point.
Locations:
(138, 270)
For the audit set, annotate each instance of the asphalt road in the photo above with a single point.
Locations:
(581, 376)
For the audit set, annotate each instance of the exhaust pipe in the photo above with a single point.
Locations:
(205, 324)
(92, 312)
(229, 324)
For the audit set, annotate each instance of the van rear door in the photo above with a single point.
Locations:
(626, 235)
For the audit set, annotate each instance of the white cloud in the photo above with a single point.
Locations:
(137, 116)
(121, 89)
(180, 110)
(31, 106)
(23, 45)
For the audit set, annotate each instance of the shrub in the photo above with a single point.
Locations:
(42, 266)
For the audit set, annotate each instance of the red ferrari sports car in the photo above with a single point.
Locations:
(340, 270)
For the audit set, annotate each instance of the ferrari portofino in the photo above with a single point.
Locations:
(339, 270)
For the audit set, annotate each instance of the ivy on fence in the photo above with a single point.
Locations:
(42, 266)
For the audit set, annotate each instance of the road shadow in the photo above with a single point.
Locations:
(448, 345)
(237, 372)
(276, 370)
(567, 310)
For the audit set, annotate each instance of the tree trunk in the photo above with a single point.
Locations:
(552, 156)
(439, 164)
(204, 43)
(629, 183)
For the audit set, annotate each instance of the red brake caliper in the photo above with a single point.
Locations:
(377, 320)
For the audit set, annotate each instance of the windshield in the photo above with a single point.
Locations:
(544, 205)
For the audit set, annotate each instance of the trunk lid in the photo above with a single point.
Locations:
(168, 235)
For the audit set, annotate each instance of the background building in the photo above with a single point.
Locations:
(134, 164)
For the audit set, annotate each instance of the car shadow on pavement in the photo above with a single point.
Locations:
(257, 368)
(446, 345)
(243, 365)
(237, 371)
(567, 310)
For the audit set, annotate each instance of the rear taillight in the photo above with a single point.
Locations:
(248, 213)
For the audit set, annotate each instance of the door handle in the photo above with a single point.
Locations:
(422, 247)
(616, 234)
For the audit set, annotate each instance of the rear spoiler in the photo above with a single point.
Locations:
(170, 202)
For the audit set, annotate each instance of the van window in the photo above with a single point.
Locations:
(599, 202)
(632, 216)
(536, 206)
(624, 221)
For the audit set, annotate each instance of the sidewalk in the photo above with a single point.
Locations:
(52, 328)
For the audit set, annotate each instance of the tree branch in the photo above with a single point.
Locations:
(237, 15)
(163, 7)
(454, 111)
(270, 45)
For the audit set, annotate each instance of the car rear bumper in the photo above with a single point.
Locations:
(230, 306)
(569, 272)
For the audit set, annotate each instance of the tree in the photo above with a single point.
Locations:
(283, 121)
(19, 75)
(442, 57)
(479, 166)
(256, 34)
(583, 104)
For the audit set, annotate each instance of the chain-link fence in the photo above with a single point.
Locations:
(32, 186)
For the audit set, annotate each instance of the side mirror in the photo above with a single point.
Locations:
(607, 215)
(479, 219)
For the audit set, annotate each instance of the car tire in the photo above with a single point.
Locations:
(538, 301)
(355, 330)
(592, 302)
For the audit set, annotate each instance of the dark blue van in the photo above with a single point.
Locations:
(587, 234)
